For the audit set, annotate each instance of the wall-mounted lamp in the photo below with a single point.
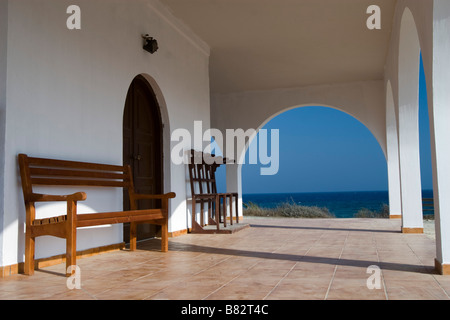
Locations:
(150, 44)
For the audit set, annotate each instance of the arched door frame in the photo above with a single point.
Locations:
(163, 132)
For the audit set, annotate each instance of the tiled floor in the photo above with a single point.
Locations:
(273, 259)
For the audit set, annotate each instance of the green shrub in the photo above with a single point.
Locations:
(287, 209)
(366, 213)
(252, 209)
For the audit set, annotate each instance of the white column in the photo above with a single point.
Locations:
(411, 190)
(409, 159)
(440, 130)
(395, 202)
(408, 126)
(234, 183)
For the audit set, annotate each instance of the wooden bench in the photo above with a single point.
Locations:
(202, 168)
(51, 172)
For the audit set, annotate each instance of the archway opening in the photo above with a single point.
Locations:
(327, 159)
(425, 143)
(143, 149)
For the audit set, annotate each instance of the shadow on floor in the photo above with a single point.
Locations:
(322, 228)
(155, 245)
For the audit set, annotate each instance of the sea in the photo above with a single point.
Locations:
(340, 204)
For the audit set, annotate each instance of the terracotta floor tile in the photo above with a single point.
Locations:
(415, 290)
(320, 272)
(307, 291)
(241, 291)
(350, 291)
(195, 291)
(352, 272)
(273, 259)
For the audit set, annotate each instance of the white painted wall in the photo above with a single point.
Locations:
(3, 48)
(440, 128)
(66, 91)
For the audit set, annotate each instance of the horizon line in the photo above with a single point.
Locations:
(322, 192)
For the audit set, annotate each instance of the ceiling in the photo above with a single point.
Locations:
(268, 44)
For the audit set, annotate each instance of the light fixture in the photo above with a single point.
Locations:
(150, 44)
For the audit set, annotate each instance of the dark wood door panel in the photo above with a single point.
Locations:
(142, 147)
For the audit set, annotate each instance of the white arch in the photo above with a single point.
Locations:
(363, 100)
(234, 171)
(242, 153)
(408, 65)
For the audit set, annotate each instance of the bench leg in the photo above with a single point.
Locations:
(164, 237)
(224, 208)
(29, 240)
(231, 209)
(236, 208)
(29, 254)
(71, 251)
(217, 211)
(71, 238)
(133, 235)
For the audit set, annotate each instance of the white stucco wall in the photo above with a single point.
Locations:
(66, 91)
(440, 116)
(3, 47)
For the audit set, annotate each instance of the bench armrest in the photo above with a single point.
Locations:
(36, 197)
(137, 196)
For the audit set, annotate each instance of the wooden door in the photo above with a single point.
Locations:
(142, 149)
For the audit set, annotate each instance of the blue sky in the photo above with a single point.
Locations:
(326, 150)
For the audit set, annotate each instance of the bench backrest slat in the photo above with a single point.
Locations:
(42, 162)
(76, 173)
(52, 172)
(76, 182)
